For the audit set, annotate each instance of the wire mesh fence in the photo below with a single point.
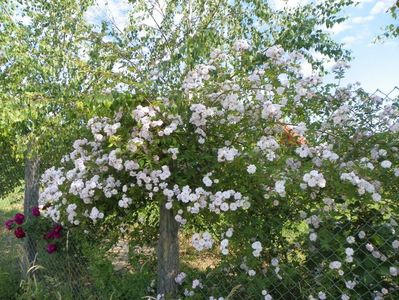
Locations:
(354, 255)
(60, 275)
(358, 261)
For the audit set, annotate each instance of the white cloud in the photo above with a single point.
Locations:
(362, 2)
(362, 20)
(349, 40)
(338, 28)
(157, 14)
(283, 4)
(19, 16)
(388, 44)
(116, 11)
(381, 6)
(25, 20)
(306, 69)
(328, 63)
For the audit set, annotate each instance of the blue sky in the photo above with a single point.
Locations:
(375, 66)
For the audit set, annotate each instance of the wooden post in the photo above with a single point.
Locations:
(167, 253)
(31, 199)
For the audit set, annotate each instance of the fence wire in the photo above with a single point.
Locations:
(298, 275)
(63, 275)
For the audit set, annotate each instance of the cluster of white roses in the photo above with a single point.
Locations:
(336, 265)
(314, 178)
(227, 154)
(196, 77)
(257, 247)
(80, 180)
(196, 284)
(349, 254)
(180, 278)
(362, 184)
(241, 45)
(279, 187)
(341, 115)
(266, 295)
(225, 242)
(202, 242)
(200, 199)
(268, 145)
(199, 118)
(242, 119)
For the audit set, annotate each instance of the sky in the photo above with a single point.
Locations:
(374, 65)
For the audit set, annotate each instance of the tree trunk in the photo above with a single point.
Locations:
(167, 253)
(31, 199)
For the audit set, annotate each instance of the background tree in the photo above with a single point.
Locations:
(392, 30)
(173, 56)
(51, 61)
(167, 39)
(164, 41)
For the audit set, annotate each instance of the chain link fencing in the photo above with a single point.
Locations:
(354, 255)
(63, 275)
(356, 258)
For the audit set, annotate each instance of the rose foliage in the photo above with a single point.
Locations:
(288, 179)
(37, 227)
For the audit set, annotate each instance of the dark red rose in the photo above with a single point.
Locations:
(57, 228)
(9, 224)
(19, 218)
(19, 232)
(56, 235)
(51, 248)
(49, 235)
(35, 211)
(52, 235)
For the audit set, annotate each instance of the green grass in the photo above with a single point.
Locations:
(88, 275)
(11, 203)
(10, 275)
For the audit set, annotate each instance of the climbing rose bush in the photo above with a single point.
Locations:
(38, 228)
(290, 180)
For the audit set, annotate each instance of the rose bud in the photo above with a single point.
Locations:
(51, 248)
(9, 224)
